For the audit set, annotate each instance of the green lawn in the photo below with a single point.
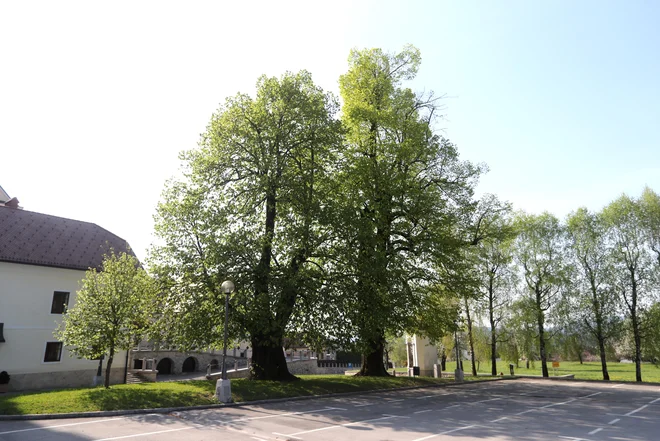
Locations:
(586, 371)
(191, 393)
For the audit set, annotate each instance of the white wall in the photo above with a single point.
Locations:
(26, 296)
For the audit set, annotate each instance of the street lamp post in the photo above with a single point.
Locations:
(223, 386)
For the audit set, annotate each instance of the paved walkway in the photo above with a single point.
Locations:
(526, 409)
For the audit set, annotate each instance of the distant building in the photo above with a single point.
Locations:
(42, 260)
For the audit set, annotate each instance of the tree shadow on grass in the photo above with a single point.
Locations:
(145, 398)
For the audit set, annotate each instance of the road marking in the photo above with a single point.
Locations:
(445, 433)
(279, 415)
(395, 416)
(558, 404)
(655, 401)
(499, 419)
(573, 438)
(614, 421)
(592, 395)
(484, 401)
(546, 406)
(426, 396)
(61, 425)
(338, 425)
(362, 405)
(287, 436)
(135, 435)
(627, 416)
(424, 411)
(453, 405)
(616, 385)
(636, 410)
(595, 431)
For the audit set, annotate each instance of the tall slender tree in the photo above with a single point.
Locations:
(595, 304)
(497, 282)
(631, 264)
(540, 251)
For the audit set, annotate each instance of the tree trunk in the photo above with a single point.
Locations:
(635, 323)
(603, 359)
(108, 366)
(638, 348)
(470, 338)
(493, 335)
(599, 331)
(268, 361)
(493, 355)
(541, 321)
(372, 362)
(443, 361)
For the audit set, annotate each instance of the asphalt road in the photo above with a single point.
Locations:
(502, 410)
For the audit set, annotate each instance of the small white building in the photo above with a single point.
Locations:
(42, 260)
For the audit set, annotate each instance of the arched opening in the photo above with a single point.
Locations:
(164, 366)
(189, 365)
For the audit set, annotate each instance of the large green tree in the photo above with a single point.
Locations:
(113, 310)
(632, 264)
(540, 251)
(595, 304)
(497, 281)
(402, 189)
(250, 208)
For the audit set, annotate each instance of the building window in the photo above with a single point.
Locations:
(53, 352)
(60, 302)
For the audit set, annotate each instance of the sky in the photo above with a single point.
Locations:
(561, 99)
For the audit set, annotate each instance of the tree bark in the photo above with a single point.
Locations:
(541, 322)
(268, 361)
(635, 323)
(108, 366)
(597, 305)
(603, 359)
(372, 362)
(493, 334)
(470, 338)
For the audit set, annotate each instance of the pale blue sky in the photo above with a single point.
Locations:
(560, 98)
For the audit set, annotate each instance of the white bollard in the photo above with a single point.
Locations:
(223, 391)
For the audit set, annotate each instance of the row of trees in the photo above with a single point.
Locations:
(338, 230)
(591, 281)
(345, 226)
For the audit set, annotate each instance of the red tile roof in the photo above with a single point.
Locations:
(40, 239)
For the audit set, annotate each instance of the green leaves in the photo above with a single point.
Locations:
(113, 309)
(252, 208)
(403, 191)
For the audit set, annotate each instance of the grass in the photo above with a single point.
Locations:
(585, 371)
(191, 393)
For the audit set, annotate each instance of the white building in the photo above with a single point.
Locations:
(42, 260)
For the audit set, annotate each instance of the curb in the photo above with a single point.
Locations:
(161, 410)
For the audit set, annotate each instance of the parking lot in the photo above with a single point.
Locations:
(501, 410)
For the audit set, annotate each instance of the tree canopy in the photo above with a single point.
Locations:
(113, 310)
